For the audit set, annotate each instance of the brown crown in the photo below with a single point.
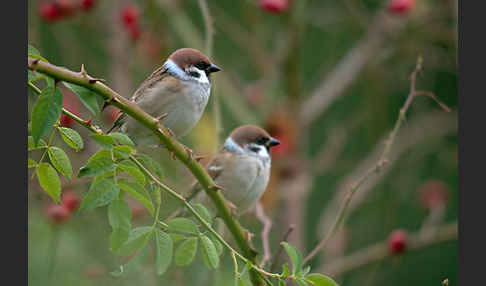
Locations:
(248, 133)
(188, 57)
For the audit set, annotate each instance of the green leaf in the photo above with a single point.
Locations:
(123, 151)
(31, 75)
(285, 271)
(301, 282)
(153, 166)
(138, 238)
(281, 282)
(46, 112)
(99, 163)
(217, 244)
(209, 252)
(295, 257)
(164, 248)
(138, 192)
(176, 237)
(304, 271)
(101, 193)
(31, 163)
(318, 279)
(104, 141)
(119, 216)
(122, 139)
(103, 176)
(241, 282)
(33, 146)
(34, 53)
(60, 161)
(49, 181)
(133, 264)
(203, 212)
(183, 224)
(186, 251)
(71, 137)
(89, 98)
(133, 170)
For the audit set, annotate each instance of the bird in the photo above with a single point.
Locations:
(241, 168)
(175, 93)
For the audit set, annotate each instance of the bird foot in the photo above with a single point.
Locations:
(218, 187)
(162, 116)
(172, 154)
(171, 133)
(191, 155)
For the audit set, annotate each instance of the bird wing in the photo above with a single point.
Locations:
(214, 168)
(155, 77)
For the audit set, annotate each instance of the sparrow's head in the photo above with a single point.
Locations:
(190, 64)
(252, 140)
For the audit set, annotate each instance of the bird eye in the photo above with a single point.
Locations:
(262, 141)
(255, 149)
(194, 74)
(201, 65)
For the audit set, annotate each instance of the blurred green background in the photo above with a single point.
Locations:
(357, 53)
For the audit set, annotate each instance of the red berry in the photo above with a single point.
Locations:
(111, 114)
(66, 121)
(87, 4)
(130, 15)
(71, 201)
(433, 194)
(71, 103)
(397, 241)
(134, 31)
(400, 6)
(50, 12)
(58, 213)
(274, 6)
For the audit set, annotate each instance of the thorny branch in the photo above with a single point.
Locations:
(62, 74)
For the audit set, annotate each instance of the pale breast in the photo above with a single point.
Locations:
(245, 179)
(183, 101)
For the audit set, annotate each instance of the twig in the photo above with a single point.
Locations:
(374, 169)
(267, 225)
(380, 250)
(169, 142)
(280, 248)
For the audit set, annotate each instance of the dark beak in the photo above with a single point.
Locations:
(272, 142)
(213, 68)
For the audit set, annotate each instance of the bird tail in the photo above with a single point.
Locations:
(118, 122)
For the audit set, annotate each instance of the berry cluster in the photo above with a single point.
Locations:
(130, 16)
(61, 9)
(61, 213)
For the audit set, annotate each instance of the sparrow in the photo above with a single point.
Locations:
(241, 168)
(176, 93)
